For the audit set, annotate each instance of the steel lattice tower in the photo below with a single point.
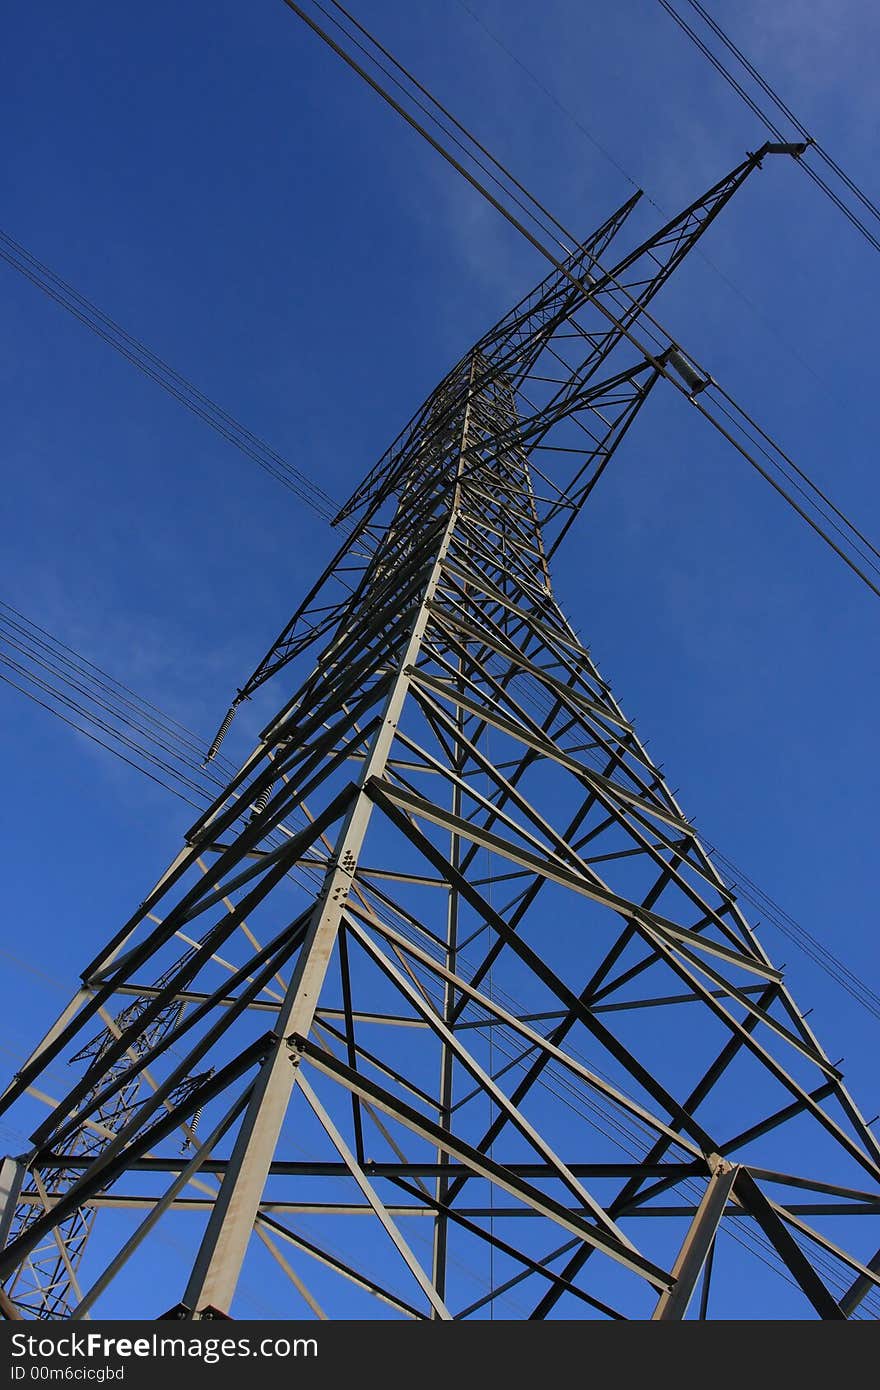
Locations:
(514, 1008)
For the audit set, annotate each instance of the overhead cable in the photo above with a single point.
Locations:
(770, 124)
(65, 683)
(661, 363)
(159, 371)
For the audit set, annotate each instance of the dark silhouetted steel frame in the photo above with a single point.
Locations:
(452, 738)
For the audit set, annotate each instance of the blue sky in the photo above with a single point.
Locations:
(215, 180)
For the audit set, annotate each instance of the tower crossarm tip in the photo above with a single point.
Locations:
(795, 149)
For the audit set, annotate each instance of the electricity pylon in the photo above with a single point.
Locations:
(444, 976)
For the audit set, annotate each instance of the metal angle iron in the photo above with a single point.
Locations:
(516, 1012)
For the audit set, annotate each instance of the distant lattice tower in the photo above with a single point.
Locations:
(445, 970)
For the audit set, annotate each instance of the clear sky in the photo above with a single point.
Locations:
(213, 178)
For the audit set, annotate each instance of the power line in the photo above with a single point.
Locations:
(749, 890)
(96, 704)
(867, 203)
(57, 678)
(272, 462)
(646, 318)
(803, 476)
(134, 738)
(775, 462)
(768, 121)
(613, 1121)
(551, 96)
(566, 111)
(538, 214)
(303, 487)
(159, 371)
(782, 920)
(623, 1130)
(181, 726)
(94, 738)
(844, 979)
(15, 627)
(133, 727)
(629, 1134)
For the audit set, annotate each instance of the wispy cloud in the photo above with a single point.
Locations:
(821, 43)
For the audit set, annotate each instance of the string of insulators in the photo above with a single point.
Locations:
(262, 800)
(194, 1124)
(197, 1113)
(220, 734)
(689, 373)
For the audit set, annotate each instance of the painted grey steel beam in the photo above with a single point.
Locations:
(218, 1263)
(672, 1304)
(469, 496)
(375, 1201)
(159, 1207)
(502, 1176)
